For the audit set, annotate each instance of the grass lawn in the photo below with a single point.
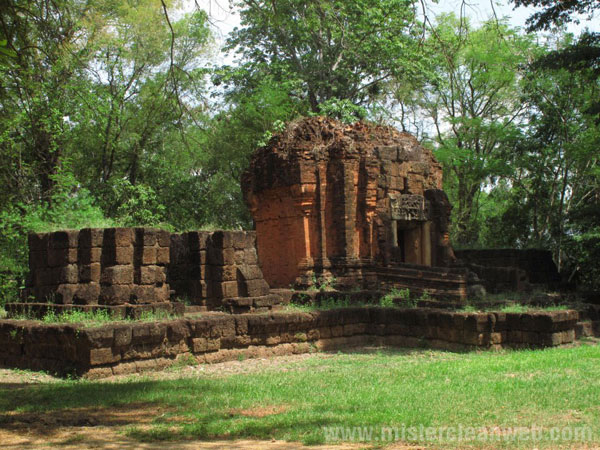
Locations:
(491, 392)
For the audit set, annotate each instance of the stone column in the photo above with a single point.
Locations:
(426, 243)
(322, 201)
(350, 172)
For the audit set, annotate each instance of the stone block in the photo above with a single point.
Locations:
(68, 274)
(38, 260)
(115, 294)
(257, 288)
(163, 238)
(89, 255)
(199, 257)
(122, 335)
(148, 255)
(163, 256)
(37, 242)
(249, 272)
(89, 273)
(223, 273)
(118, 255)
(61, 256)
(221, 257)
(222, 239)
(112, 275)
(226, 289)
(87, 294)
(65, 293)
(146, 237)
(199, 289)
(144, 294)
(91, 237)
(151, 275)
(477, 322)
(63, 239)
(100, 356)
(202, 345)
(119, 237)
(197, 240)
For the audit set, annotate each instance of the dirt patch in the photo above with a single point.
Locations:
(15, 378)
(261, 411)
(108, 438)
(44, 423)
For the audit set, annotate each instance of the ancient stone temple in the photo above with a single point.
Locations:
(338, 200)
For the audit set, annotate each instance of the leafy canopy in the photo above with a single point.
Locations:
(329, 49)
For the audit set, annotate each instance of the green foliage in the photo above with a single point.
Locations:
(69, 207)
(87, 318)
(330, 51)
(474, 103)
(556, 12)
(138, 204)
(343, 110)
(95, 318)
(321, 283)
(397, 297)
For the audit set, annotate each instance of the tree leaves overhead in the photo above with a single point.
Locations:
(331, 48)
(475, 107)
(556, 12)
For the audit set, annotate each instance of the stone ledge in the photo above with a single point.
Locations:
(126, 347)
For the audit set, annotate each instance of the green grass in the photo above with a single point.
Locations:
(556, 387)
(514, 308)
(94, 318)
(324, 305)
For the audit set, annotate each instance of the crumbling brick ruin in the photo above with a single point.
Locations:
(343, 201)
(131, 270)
(511, 269)
(112, 266)
(219, 270)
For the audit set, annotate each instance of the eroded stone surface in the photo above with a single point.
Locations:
(334, 200)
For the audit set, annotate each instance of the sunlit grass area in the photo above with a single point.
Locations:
(490, 392)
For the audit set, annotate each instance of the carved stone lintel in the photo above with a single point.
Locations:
(406, 207)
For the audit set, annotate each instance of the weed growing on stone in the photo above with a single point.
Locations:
(75, 316)
(322, 284)
(397, 297)
(94, 318)
(512, 308)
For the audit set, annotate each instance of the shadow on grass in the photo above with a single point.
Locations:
(148, 410)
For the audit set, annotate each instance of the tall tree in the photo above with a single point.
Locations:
(475, 107)
(552, 193)
(91, 82)
(328, 49)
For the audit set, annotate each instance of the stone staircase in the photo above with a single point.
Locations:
(438, 282)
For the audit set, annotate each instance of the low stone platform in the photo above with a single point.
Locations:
(120, 348)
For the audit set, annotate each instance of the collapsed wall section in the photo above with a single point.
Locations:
(512, 269)
(219, 270)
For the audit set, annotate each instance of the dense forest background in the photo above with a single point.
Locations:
(113, 112)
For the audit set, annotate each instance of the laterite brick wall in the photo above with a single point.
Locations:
(219, 269)
(132, 347)
(111, 266)
(137, 267)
